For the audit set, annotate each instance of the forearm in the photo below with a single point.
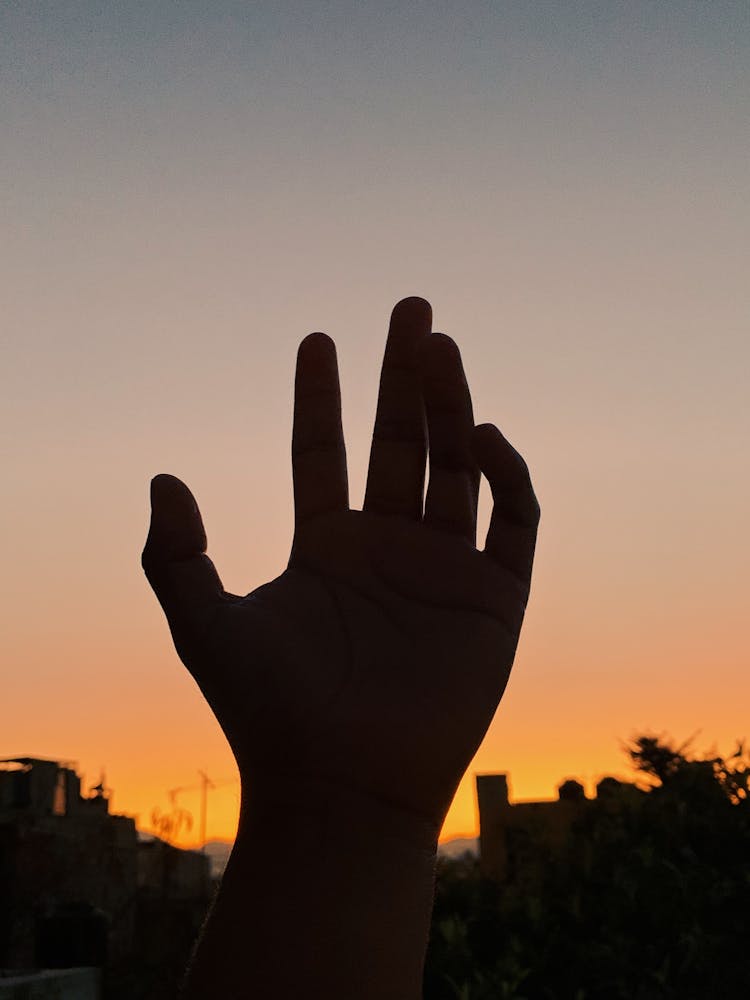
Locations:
(327, 894)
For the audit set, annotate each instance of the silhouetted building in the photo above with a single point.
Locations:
(78, 888)
(515, 839)
(67, 870)
(167, 872)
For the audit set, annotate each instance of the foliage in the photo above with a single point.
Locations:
(168, 825)
(647, 900)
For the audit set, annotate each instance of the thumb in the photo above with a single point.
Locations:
(182, 576)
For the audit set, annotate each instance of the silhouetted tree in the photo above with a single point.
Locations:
(648, 900)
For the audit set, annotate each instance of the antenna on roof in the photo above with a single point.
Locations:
(206, 783)
(101, 791)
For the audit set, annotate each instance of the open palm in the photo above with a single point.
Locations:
(376, 661)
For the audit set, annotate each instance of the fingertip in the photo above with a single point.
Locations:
(164, 482)
(437, 353)
(168, 491)
(176, 523)
(439, 341)
(491, 441)
(494, 451)
(410, 325)
(316, 357)
(413, 307)
(316, 341)
(506, 471)
(486, 435)
(482, 430)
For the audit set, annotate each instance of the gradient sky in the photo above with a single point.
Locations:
(189, 188)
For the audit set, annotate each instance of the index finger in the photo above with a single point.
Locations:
(318, 450)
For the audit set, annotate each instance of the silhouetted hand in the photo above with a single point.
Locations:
(375, 662)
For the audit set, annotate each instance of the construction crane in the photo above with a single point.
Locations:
(206, 783)
(203, 787)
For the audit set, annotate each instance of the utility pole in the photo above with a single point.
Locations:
(206, 783)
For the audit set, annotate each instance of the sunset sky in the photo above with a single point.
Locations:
(189, 188)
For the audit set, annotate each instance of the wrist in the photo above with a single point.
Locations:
(335, 890)
(326, 811)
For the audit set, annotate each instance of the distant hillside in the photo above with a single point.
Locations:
(457, 846)
(218, 851)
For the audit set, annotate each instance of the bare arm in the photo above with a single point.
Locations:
(355, 688)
